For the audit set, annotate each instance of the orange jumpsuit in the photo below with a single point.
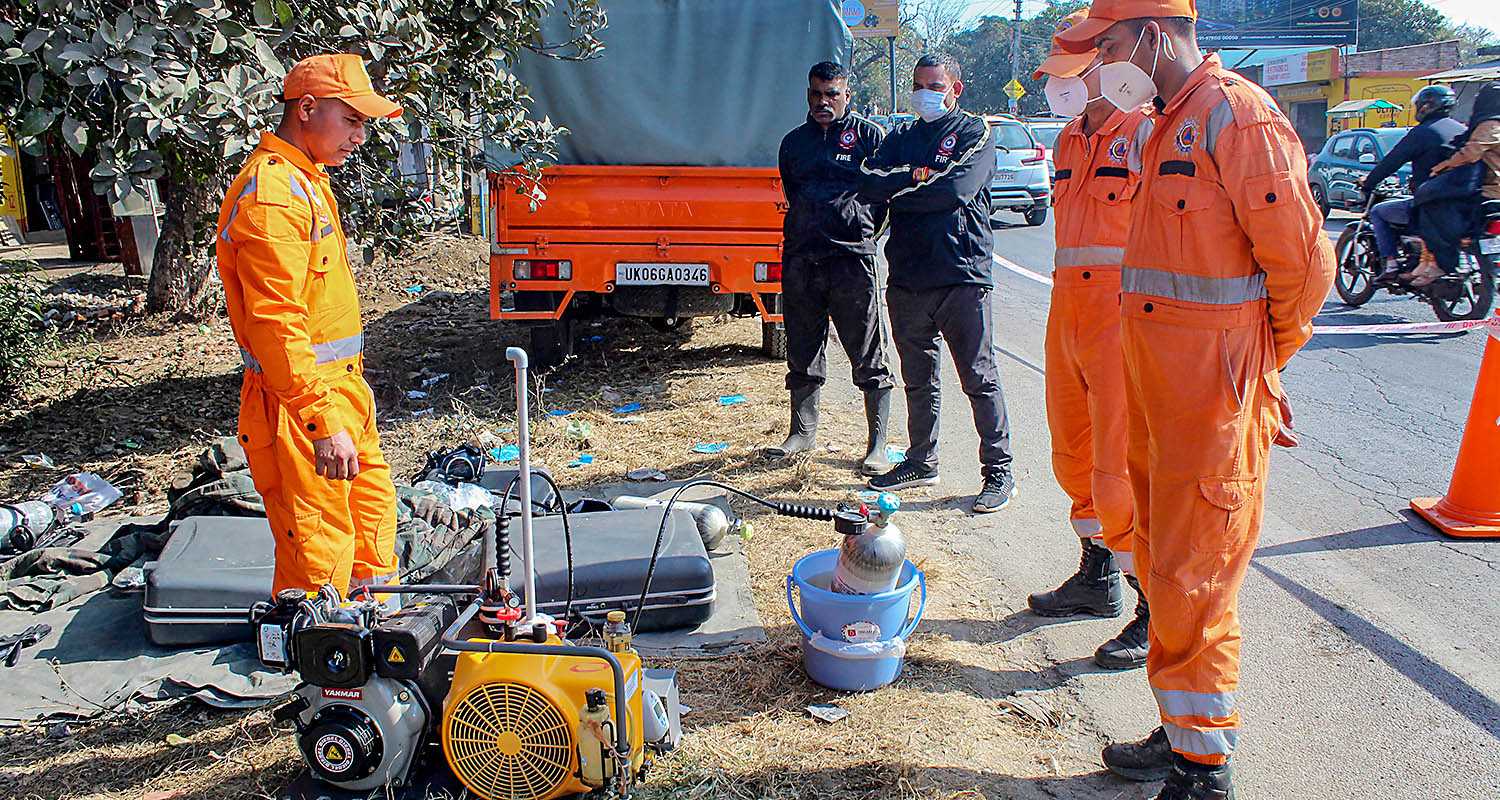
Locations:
(1225, 267)
(292, 302)
(1097, 176)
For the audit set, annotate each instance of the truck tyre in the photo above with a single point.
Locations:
(551, 343)
(1036, 216)
(773, 340)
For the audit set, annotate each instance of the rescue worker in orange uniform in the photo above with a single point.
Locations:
(1098, 158)
(307, 417)
(1225, 267)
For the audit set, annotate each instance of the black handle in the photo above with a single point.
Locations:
(803, 512)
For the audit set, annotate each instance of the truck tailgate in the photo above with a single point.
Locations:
(641, 204)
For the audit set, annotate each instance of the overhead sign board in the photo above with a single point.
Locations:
(1318, 66)
(872, 19)
(1277, 23)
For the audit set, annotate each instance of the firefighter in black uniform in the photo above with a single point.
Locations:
(829, 263)
(935, 173)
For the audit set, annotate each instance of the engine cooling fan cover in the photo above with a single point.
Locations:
(507, 740)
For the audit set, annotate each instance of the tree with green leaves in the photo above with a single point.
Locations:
(984, 52)
(178, 92)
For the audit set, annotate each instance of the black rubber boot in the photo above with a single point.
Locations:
(877, 413)
(1193, 781)
(804, 424)
(1150, 759)
(1094, 589)
(1128, 650)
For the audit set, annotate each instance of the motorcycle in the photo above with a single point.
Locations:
(1466, 293)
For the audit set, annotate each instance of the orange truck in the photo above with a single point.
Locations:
(665, 204)
(662, 243)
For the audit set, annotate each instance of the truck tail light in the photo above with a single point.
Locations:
(1038, 155)
(1494, 228)
(768, 272)
(532, 270)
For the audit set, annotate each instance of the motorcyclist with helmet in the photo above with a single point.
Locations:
(1424, 146)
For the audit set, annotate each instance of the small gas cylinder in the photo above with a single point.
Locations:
(712, 523)
(873, 551)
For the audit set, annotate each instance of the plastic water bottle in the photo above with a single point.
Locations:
(80, 496)
(595, 762)
(873, 551)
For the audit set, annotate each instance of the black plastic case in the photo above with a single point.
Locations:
(611, 551)
(211, 571)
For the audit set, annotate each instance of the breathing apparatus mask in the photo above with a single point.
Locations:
(1128, 86)
(1068, 97)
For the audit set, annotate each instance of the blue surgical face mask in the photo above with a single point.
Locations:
(929, 105)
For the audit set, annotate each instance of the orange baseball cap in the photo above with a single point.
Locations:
(1105, 13)
(338, 75)
(1060, 63)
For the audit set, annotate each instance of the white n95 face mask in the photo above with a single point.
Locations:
(1068, 97)
(928, 104)
(1127, 86)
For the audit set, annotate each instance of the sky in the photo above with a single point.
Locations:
(1485, 13)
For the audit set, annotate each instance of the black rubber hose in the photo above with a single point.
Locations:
(567, 534)
(783, 509)
(567, 545)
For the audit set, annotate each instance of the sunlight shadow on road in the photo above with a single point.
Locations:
(1422, 671)
(1396, 533)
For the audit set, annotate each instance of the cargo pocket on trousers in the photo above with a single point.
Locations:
(1224, 514)
(303, 547)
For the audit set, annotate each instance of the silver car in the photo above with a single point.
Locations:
(1021, 183)
(1046, 129)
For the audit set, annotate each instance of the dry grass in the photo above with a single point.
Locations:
(943, 730)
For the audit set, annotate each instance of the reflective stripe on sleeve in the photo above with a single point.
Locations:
(234, 210)
(347, 347)
(325, 352)
(1092, 256)
(1193, 288)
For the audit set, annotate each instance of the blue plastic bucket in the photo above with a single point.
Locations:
(852, 642)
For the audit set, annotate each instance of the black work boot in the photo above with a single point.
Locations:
(1128, 650)
(877, 412)
(1150, 759)
(804, 424)
(1193, 781)
(1094, 589)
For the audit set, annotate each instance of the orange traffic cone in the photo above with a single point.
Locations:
(1471, 509)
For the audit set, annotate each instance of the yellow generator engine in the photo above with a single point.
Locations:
(538, 721)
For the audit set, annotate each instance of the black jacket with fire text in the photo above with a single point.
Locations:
(820, 174)
(940, 225)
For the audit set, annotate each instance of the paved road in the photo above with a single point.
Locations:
(1371, 661)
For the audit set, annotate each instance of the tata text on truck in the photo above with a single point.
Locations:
(665, 203)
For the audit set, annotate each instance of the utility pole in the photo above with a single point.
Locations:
(891, 43)
(1015, 56)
